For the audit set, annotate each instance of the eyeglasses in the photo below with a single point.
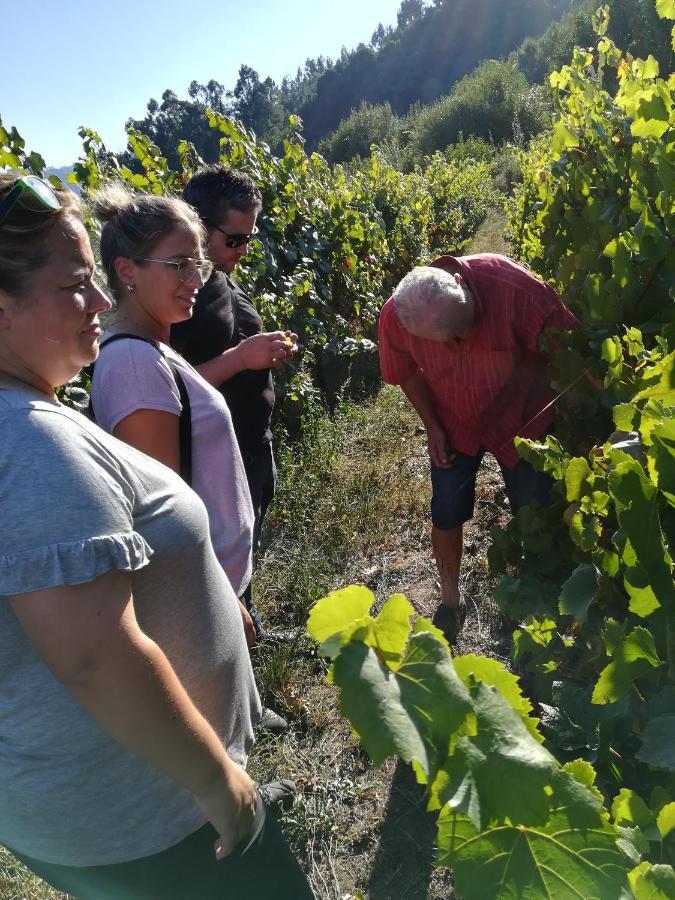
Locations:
(33, 195)
(233, 241)
(186, 268)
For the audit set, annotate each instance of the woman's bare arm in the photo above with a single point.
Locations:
(88, 637)
(153, 431)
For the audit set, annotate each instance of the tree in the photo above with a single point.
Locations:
(171, 120)
(378, 37)
(409, 11)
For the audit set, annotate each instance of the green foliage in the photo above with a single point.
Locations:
(494, 103)
(332, 242)
(512, 821)
(420, 61)
(594, 574)
(355, 135)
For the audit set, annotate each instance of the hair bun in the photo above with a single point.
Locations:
(110, 201)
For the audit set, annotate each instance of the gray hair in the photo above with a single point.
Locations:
(431, 304)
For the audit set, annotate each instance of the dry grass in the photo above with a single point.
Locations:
(490, 236)
(355, 828)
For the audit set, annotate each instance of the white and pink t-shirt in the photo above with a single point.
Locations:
(130, 375)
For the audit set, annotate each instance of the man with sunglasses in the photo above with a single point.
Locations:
(224, 339)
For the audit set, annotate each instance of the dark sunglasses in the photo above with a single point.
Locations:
(31, 194)
(233, 241)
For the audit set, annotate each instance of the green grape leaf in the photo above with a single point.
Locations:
(563, 138)
(662, 458)
(665, 821)
(583, 772)
(624, 415)
(633, 843)
(576, 474)
(472, 668)
(554, 861)
(636, 500)
(331, 616)
(578, 591)
(391, 628)
(658, 743)
(661, 379)
(414, 712)
(501, 771)
(666, 8)
(613, 633)
(654, 127)
(629, 809)
(634, 657)
(652, 882)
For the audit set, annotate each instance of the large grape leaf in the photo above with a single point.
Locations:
(662, 458)
(391, 629)
(500, 772)
(335, 614)
(554, 861)
(472, 668)
(413, 712)
(652, 882)
(636, 500)
(658, 743)
(577, 593)
(665, 820)
(635, 656)
(344, 615)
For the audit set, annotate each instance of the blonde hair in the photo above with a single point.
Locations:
(24, 246)
(133, 225)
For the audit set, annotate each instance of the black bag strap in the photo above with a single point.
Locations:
(185, 419)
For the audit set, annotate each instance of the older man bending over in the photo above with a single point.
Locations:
(463, 338)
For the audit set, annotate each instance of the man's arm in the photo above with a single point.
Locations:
(89, 638)
(417, 391)
(260, 351)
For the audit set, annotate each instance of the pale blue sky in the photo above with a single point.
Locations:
(71, 63)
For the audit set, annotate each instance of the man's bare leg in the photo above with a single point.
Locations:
(448, 545)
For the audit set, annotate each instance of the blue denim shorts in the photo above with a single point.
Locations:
(454, 489)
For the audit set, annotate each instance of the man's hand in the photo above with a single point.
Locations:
(270, 348)
(440, 451)
(249, 627)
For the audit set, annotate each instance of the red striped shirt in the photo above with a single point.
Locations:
(491, 385)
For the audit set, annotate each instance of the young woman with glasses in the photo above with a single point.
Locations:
(126, 692)
(152, 253)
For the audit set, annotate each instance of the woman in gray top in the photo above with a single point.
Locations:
(127, 699)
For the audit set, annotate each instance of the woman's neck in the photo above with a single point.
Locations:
(18, 372)
(24, 379)
(132, 319)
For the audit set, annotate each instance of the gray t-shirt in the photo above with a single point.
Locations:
(76, 503)
(131, 375)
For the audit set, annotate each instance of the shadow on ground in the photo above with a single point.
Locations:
(404, 863)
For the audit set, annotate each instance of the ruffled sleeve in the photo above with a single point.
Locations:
(67, 507)
(72, 562)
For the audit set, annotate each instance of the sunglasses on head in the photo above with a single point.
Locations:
(233, 241)
(30, 194)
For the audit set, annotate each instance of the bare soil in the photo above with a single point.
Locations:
(365, 831)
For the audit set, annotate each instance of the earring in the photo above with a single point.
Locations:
(131, 288)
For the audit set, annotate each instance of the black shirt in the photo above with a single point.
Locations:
(223, 317)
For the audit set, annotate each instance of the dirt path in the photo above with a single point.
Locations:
(354, 827)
